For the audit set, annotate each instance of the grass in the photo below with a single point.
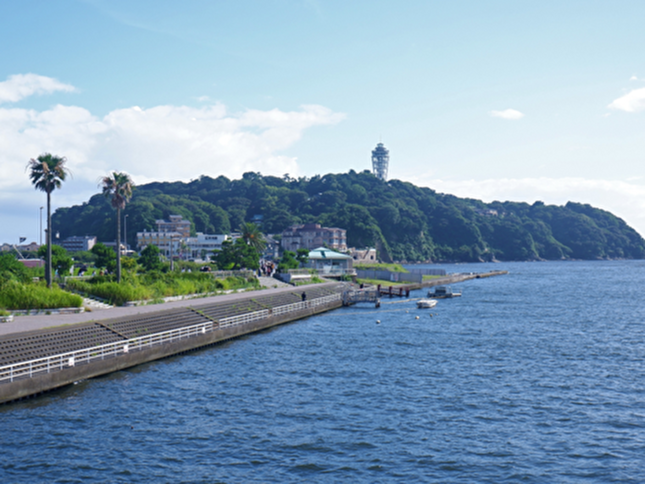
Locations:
(429, 278)
(15, 295)
(153, 287)
(381, 267)
(312, 280)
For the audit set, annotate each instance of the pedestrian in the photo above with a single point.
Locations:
(303, 296)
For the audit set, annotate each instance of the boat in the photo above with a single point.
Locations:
(426, 303)
(443, 292)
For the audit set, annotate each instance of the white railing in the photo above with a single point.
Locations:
(28, 369)
(86, 355)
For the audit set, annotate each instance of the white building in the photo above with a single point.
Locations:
(202, 246)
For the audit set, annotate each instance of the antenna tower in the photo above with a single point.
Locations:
(380, 161)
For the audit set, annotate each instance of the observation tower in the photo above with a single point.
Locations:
(380, 161)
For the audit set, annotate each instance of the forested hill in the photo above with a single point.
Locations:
(404, 222)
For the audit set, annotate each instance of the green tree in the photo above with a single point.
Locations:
(253, 236)
(105, 257)
(149, 259)
(302, 256)
(237, 255)
(11, 268)
(61, 261)
(118, 188)
(288, 261)
(47, 173)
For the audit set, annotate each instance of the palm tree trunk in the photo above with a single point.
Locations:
(118, 245)
(48, 267)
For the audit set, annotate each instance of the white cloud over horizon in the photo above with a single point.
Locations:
(161, 143)
(623, 198)
(20, 86)
(631, 102)
(511, 114)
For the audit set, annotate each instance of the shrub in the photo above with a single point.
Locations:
(15, 295)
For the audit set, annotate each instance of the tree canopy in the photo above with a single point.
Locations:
(402, 221)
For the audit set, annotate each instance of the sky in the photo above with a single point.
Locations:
(496, 100)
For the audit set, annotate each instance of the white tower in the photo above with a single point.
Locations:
(380, 161)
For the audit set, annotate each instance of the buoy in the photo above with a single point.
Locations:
(378, 321)
(417, 317)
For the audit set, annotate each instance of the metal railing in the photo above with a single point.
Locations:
(71, 359)
(109, 350)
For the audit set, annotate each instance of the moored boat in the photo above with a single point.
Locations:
(426, 303)
(443, 292)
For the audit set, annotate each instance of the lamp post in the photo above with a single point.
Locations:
(41, 226)
(125, 233)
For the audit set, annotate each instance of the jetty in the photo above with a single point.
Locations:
(403, 290)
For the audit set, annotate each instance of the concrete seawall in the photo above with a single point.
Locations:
(25, 386)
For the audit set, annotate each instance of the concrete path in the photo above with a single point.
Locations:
(272, 282)
(30, 323)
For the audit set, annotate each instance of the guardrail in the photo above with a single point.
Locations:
(86, 355)
(70, 359)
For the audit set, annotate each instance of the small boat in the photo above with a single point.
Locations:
(426, 303)
(443, 292)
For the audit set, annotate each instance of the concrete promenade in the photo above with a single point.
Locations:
(31, 323)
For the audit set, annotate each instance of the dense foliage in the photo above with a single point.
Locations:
(404, 222)
(157, 285)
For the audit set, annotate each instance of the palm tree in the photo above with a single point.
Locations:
(252, 236)
(48, 172)
(118, 188)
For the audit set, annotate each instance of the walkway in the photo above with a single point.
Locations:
(30, 323)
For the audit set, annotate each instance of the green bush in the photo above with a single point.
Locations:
(14, 295)
(157, 285)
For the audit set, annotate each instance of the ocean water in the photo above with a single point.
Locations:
(536, 376)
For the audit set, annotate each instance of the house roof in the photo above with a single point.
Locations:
(325, 253)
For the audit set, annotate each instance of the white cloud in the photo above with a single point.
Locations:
(631, 102)
(163, 143)
(507, 114)
(623, 198)
(633, 78)
(20, 86)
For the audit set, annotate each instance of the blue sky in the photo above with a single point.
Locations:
(497, 100)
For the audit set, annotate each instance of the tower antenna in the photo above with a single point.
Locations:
(380, 161)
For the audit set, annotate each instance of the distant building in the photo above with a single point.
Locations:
(329, 262)
(363, 255)
(380, 161)
(31, 247)
(175, 224)
(311, 236)
(486, 212)
(169, 236)
(203, 245)
(77, 243)
(32, 262)
(168, 242)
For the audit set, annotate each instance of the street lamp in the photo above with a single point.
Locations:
(125, 233)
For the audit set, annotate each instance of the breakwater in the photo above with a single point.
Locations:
(441, 281)
(39, 361)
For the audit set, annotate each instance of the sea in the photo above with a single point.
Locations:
(536, 376)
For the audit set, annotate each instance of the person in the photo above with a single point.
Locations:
(303, 296)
